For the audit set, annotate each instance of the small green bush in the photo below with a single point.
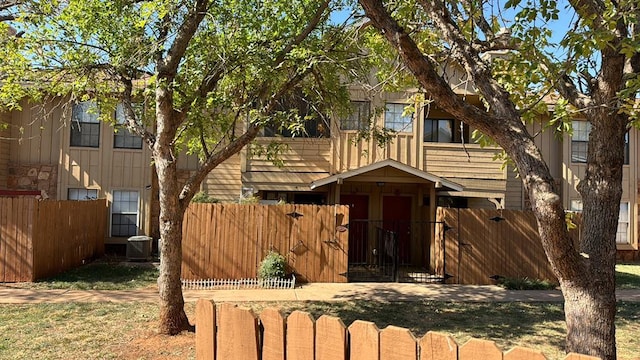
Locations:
(203, 197)
(525, 283)
(272, 266)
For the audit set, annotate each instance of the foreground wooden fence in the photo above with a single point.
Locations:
(232, 333)
(228, 241)
(42, 238)
(481, 244)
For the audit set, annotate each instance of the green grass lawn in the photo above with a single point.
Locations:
(102, 275)
(126, 331)
(628, 276)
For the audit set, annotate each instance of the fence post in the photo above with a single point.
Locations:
(205, 330)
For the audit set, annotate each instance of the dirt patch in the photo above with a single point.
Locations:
(149, 345)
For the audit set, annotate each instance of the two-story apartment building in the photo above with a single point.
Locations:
(429, 161)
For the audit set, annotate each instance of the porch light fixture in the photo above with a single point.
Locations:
(380, 183)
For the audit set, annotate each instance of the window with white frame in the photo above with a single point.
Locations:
(124, 213)
(622, 235)
(82, 194)
(85, 125)
(123, 138)
(358, 119)
(396, 119)
(580, 141)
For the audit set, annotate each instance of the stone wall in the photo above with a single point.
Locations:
(41, 177)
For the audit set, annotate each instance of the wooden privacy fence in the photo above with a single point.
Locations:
(42, 238)
(228, 241)
(231, 333)
(482, 243)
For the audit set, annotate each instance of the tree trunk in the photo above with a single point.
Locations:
(173, 318)
(590, 315)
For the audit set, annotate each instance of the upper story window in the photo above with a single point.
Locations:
(622, 234)
(82, 194)
(314, 123)
(445, 131)
(395, 120)
(85, 125)
(358, 119)
(123, 138)
(580, 141)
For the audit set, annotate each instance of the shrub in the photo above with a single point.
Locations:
(203, 197)
(272, 266)
(525, 283)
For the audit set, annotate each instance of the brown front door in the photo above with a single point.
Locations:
(358, 226)
(396, 216)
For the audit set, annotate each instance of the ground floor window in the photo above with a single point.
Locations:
(82, 194)
(622, 235)
(124, 213)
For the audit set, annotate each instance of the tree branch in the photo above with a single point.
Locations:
(168, 66)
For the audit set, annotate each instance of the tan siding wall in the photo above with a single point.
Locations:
(550, 145)
(224, 182)
(37, 129)
(303, 155)
(514, 197)
(452, 161)
(107, 169)
(352, 155)
(403, 147)
(5, 149)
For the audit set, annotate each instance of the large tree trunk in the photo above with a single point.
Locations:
(173, 318)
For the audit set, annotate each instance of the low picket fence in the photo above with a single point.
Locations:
(231, 333)
(236, 284)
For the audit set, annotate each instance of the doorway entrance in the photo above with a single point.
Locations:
(396, 217)
(358, 227)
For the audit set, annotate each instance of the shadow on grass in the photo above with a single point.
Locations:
(103, 276)
(508, 322)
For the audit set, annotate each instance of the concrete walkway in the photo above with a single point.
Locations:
(308, 292)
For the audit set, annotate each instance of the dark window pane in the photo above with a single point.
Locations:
(85, 134)
(125, 139)
(358, 119)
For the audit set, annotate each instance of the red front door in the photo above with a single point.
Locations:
(396, 216)
(358, 226)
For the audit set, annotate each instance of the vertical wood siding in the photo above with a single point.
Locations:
(5, 149)
(228, 241)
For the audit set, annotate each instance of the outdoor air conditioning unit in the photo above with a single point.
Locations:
(139, 248)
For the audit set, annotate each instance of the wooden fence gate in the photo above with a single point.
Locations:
(483, 244)
(228, 241)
